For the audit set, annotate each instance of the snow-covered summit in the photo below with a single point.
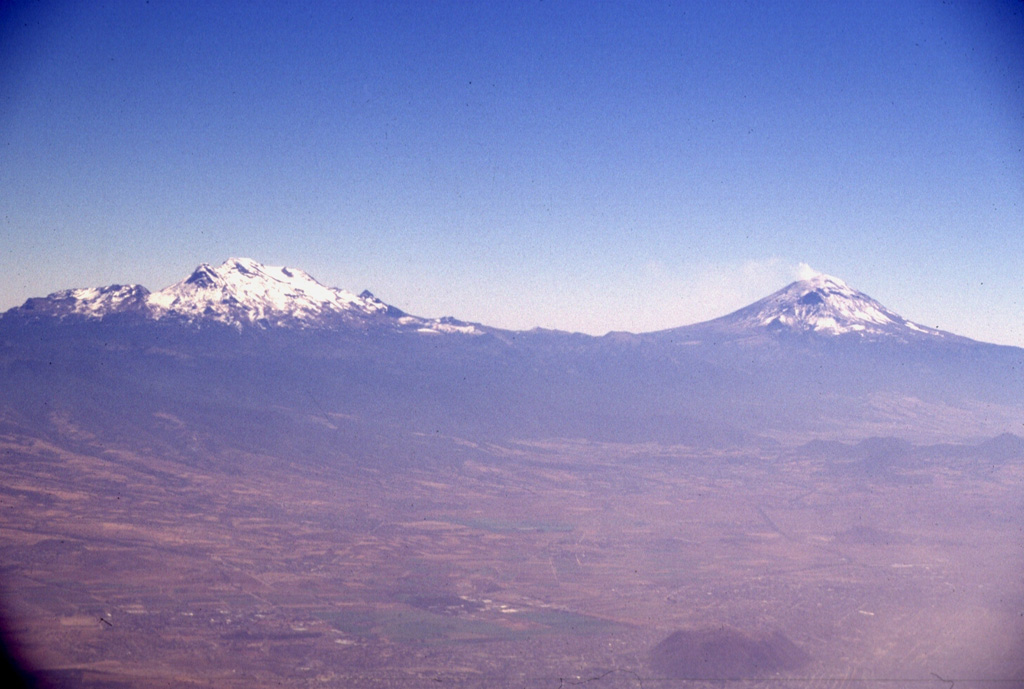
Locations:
(242, 293)
(823, 305)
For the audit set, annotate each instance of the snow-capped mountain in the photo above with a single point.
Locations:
(815, 357)
(822, 305)
(242, 293)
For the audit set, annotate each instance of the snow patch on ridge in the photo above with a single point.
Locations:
(90, 302)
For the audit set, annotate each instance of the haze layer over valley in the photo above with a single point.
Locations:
(252, 479)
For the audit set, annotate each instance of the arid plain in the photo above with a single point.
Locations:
(525, 565)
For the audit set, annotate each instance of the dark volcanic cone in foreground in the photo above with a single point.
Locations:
(724, 653)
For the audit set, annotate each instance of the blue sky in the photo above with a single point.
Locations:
(580, 165)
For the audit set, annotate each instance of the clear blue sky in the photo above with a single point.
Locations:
(581, 165)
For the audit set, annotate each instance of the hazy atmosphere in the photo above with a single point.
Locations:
(225, 464)
(586, 166)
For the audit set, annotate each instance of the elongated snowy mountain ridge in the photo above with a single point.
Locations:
(242, 293)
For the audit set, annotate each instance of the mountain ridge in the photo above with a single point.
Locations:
(243, 293)
(240, 293)
(243, 343)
